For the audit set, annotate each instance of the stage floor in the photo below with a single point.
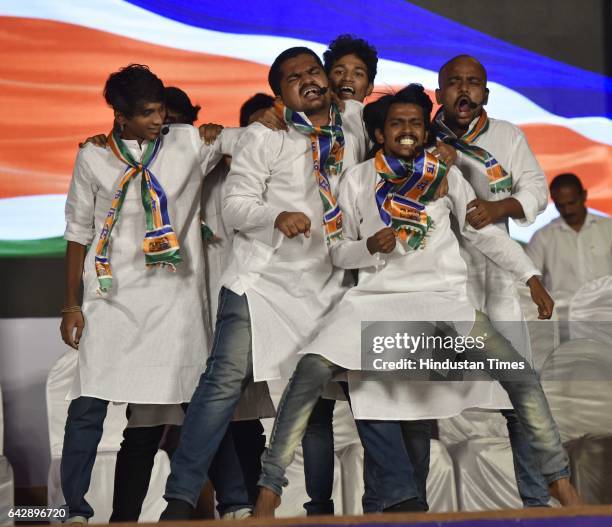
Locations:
(587, 516)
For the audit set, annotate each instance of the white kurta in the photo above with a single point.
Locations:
(570, 259)
(290, 283)
(255, 401)
(216, 253)
(427, 284)
(491, 288)
(145, 340)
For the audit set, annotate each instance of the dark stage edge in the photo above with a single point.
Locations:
(587, 516)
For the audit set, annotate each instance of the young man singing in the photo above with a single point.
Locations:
(280, 282)
(495, 159)
(410, 269)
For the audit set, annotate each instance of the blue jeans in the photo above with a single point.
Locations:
(531, 485)
(541, 437)
(382, 440)
(82, 435)
(318, 448)
(228, 371)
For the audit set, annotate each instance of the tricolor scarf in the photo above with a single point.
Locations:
(499, 180)
(404, 188)
(327, 153)
(160, 244)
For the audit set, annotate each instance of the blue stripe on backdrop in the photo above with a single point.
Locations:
(405, 33)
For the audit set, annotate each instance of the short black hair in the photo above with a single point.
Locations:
(375, 113)
(259, 101)
(130, 87)
(275, 75)
(178, 101)
(566, 180)
(349, 45)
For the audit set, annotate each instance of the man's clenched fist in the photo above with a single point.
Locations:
(382, 242)
(293, 223)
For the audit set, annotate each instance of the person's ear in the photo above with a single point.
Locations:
(584, 196)
(438, 96)
(370, 89)
(120, 119)
(380, 138)
(486, 97)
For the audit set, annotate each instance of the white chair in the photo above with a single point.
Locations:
(484, 474)
(7, 484)
(100, 495)
(477, 441)
(577, 381)
(590, 311)
(591, 465)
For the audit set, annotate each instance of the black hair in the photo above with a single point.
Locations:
(275, 75)
(178, 101)
(566, 180)
(375, 113)
(259, 101)
(348, 45)
(125, 90)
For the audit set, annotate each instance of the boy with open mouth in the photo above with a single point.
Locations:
(410, 269)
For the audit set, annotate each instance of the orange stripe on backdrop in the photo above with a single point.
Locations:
(52, 75)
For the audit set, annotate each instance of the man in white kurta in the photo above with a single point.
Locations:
(139, 343)
(280, 281)
(400, 283)
(574, 249)
(518, 190)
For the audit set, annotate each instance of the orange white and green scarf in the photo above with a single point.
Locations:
(404, 189)
(160, 244)
(327, 154)
(499, 179)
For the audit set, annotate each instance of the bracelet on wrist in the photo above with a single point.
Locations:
(71, 309)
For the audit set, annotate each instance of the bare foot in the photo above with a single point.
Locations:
(563, 491)
(267, 501)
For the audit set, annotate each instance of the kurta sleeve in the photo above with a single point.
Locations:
(491, 240)
(80, 203)
(351, 252)
(529, 186)
(224, 145)
(536, 250)
(244, 207)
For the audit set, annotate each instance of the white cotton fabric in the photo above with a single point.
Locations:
(569, 259)
(576, 379)
(590, 311)
(427, 284)
(290, 283)
(491, 288)
(145, 340)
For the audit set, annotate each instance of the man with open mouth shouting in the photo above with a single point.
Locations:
(495, 159)
(279, 283)
(410, 269)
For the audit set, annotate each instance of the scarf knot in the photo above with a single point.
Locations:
(402, 192)
(160, 244)
(499, 179)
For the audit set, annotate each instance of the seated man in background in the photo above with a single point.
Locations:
(575, 248)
